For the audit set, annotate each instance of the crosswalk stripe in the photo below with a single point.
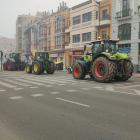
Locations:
(37, 95)
(2, 90)
(7, 85)
(30, 82)
(13, 81)
(16, 97)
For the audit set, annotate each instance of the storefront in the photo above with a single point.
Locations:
(124, 48)
(77, 54)
(54, 57)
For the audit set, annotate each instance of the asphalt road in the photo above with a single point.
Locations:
(58, 107)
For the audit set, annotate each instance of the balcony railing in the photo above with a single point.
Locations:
(58, 47)
(124, 36)
(105, 18)
(124, 13)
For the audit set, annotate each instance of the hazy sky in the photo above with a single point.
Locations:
(10, 9)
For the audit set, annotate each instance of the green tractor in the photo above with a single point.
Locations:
(40, 63)
(104, 63)
(14, 62)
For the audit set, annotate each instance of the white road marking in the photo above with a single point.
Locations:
(30, 82)
(7, 85)
(137, 91)
(2, 90)
(85, 88)
(110, 89)
(71, 90)
(72, 102)
(54, 92)
(37, 95)
(18, 83)
(61, 84)
(82, 82)
(98, 87)
(18, 88)
(33, 87)
(16, 97)
(47, 85)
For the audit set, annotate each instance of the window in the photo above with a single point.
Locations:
(49, 30)
(76, 38)
(86, 37)
(124, 46)
(104, 13)
(69, 22)
(76, 20)
(19, 25)
(87, 17)
(49, 45)
(103, 34)
(124, 32)
(96, 35)
(69, 39)
(96, 14)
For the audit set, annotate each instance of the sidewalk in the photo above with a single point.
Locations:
(136, 75)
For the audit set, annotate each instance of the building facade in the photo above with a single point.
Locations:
(21, 23)
(126, 27)
(7, 45)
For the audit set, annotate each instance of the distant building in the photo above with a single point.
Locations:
(7, 45)
(21, 23)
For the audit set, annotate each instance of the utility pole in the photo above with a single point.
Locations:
(1, 59)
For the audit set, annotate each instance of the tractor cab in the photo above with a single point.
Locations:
(41, 55)
(14, 55)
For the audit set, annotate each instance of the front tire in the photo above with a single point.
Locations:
(51, 69)
(103, 69)
(129, 73)
(28, 69)
(37, 67)
(78, 72)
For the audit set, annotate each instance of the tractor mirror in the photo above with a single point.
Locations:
(84, 47)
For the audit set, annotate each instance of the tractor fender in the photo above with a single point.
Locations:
(11, 60)
(83, 64)
(102, 55)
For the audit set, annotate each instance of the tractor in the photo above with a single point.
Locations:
(40, 63)
(104, 63)
(14, 62)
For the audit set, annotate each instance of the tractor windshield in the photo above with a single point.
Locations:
(16, 55)
(44, 56)
(110, 47)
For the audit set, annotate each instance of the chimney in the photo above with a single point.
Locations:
(52, 11)
(58, 8)
(43, 14)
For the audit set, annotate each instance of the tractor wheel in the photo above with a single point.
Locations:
(52, 68)
(4, 67)
(37, 67)
(10, 66)
(78, 71)
(22, 68)
(103, 70)
(28, 69)
(129, 72)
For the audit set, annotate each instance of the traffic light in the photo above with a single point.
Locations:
(99, 38)
(1, 53)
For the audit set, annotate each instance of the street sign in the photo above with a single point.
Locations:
(124, 50)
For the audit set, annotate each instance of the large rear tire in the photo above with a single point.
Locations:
(103, 69)
(28, 69)
(5, 66)
(52, 68)
(10, 66)
(78, 72)
(129, 73)
(37, 67)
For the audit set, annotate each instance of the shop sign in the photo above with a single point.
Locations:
(78, 53)
(124, 50)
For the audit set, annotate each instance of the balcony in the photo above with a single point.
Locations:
(67, 29)
(61, 30)
(50, 48)
(125, 14)
(124, 36)
(103, 22)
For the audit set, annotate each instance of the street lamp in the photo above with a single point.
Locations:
(99, 18)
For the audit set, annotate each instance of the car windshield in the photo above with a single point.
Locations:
(44, 55)
(110, 47)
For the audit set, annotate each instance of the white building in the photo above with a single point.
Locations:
(126, 27)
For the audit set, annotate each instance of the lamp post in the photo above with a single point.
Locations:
(99, 18)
